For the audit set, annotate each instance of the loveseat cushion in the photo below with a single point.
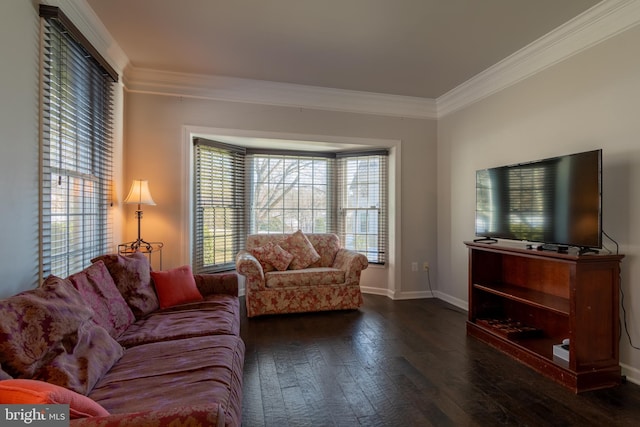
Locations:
(32, 392)
(218, 314)
(306, 277)
(99, 291)
(35, 321)
(132, 276)
(163, 375)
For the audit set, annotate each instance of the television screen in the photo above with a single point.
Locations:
(553, 201)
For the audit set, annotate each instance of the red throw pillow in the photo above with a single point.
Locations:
(32, 392)
(176, 286)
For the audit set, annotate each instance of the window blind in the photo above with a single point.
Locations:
(76, 148)
(362, 207)
(219, 205)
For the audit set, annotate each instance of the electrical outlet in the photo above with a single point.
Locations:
(414, 266)
(425, 266)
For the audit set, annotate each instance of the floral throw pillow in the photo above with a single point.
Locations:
(132, 276)
(98, 289)
(33, 322)
(272, 256)
(304, 254)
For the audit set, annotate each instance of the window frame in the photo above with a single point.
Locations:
(334, 226)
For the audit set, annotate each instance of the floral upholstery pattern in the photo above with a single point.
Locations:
(332, 282)
(305, 277)
(99, 291)
(132, 276)
(298, 245)
(35, 321)
(272, 257)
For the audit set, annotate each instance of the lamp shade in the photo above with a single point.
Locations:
(139, 193)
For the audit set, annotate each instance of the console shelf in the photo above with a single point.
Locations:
(553, 296)
(528, 296)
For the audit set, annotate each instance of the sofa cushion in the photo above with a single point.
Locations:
(34, 321)
(298, 245)
(32, 392)
(218, 314)
(272, 257)
(306, 277)
(132, 276)
(162, 375)
(175, 286)
(99, 291)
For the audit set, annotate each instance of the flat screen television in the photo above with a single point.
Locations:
(555, 201)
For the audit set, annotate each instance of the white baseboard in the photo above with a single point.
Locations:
(376, 291)
(464, 305)
(632, 374)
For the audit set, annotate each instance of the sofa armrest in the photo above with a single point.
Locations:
(249, 266)
(217, 283)
(210, 414)
(352, 262)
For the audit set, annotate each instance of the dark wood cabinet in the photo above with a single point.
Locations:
(525, 301)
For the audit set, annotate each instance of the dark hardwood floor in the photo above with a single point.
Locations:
(404, 363)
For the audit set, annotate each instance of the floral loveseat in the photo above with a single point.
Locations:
(125, 346)
(291, 273)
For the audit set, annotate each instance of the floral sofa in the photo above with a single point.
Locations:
(125, 346)
(291, 273)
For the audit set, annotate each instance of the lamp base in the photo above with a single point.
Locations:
(143, 247)
(138, 246)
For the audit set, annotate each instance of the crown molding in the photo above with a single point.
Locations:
(83, 17)
(603, 21)
(141, 80)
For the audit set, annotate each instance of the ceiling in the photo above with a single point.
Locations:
(420, 48)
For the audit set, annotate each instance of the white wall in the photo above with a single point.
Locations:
(19, 145)
(589, 101)
(19, 38)
(154, 150)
